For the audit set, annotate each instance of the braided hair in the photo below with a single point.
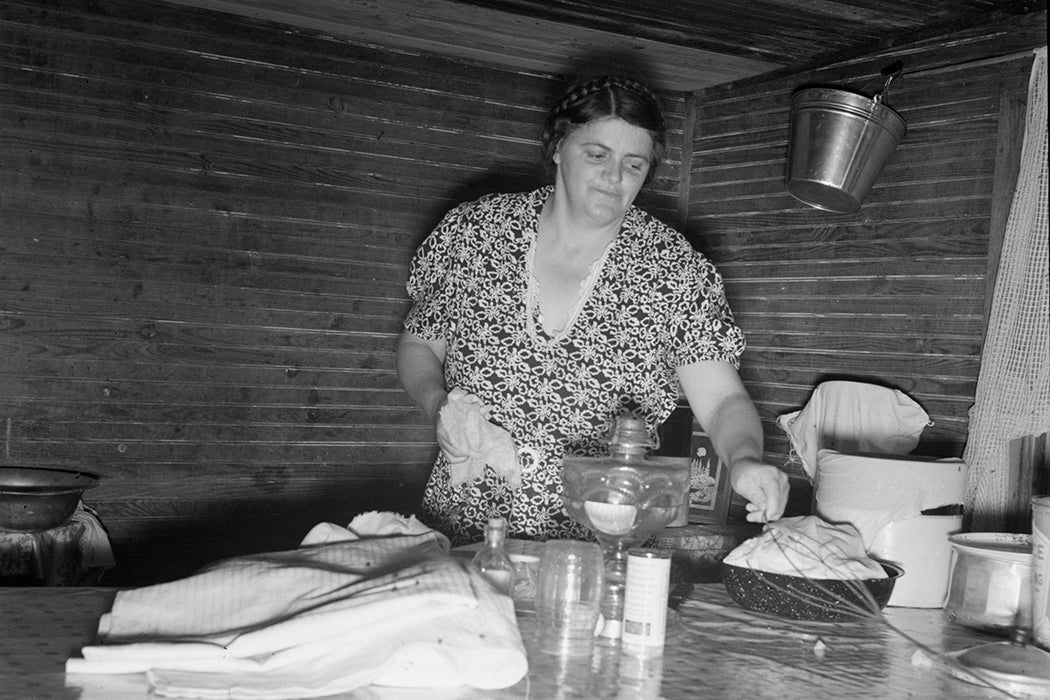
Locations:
(599, 98)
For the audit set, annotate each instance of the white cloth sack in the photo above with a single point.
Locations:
(854, 417)
(381, 602)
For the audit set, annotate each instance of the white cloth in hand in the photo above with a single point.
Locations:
(470, 441)
(393, 609)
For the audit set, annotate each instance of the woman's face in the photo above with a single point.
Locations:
(601, 167)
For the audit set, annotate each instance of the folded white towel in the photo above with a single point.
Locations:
(355, 609)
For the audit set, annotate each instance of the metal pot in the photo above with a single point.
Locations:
(990, 580)
(33, 498)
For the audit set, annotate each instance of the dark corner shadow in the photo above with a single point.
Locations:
(696, 232)
(505, 178)
(835, 377)
(612, 62)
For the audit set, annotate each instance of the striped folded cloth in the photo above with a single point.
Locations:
(378, 603)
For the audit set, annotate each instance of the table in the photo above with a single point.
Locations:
(714, 649)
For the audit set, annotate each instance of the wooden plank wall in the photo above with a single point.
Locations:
(205, 226)
(894, 294)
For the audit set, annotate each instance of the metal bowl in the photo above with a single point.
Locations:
(802, 598)
(33, 498)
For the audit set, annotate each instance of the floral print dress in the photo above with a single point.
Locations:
(652, 304)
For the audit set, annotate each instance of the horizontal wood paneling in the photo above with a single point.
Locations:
(893, 294)
(206, 227)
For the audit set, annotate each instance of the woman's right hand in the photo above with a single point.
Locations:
(449, 436)
(459, 425)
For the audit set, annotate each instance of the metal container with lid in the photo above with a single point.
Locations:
(1016, 668)
(990, 584)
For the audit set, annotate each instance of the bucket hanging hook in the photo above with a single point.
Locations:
(889, 74)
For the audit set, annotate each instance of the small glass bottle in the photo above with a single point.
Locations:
(492, 559)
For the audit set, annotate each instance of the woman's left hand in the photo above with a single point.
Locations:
(764, 486)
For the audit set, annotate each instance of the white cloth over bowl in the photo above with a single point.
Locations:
(380, 602)
(807, 546)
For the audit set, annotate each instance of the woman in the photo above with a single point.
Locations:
(559, 307)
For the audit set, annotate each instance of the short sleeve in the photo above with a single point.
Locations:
(429, 280)
(705, 329)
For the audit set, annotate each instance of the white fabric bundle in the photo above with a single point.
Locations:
(807, 546)
(379, 603)
(465, 423)
(854, 417)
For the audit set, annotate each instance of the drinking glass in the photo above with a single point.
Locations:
(526, 569)
(568, 595)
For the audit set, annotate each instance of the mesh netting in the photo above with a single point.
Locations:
(1013, 388)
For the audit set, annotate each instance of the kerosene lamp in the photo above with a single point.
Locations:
(623, 499)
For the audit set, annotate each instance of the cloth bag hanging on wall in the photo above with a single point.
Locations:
(854, 417)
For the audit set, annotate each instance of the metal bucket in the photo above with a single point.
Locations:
(839, 142)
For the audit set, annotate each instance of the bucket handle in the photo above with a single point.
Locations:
(889, 74)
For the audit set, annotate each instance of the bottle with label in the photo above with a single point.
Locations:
(492, 559)
(645, 601)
